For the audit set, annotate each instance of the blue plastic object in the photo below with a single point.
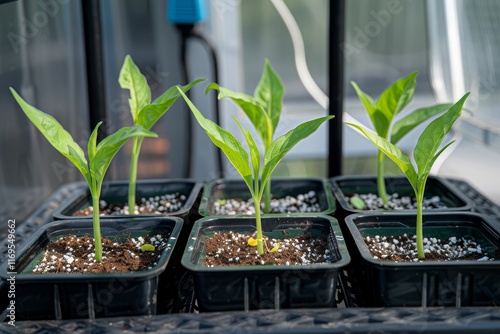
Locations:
(186, 11)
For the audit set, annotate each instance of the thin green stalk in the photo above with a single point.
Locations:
(419, 228)
(96, 225)
(257, 196)
(267, 188)
(258, 223)
(136, 148)
(382, 193)
(267, 198)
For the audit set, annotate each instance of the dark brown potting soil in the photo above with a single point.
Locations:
(231, 249)
(75, 254)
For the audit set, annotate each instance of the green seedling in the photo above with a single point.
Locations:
(147, 248)
(426, 151)
(255, 173)
(144, 112)
(263, 109)
(99, 155)
(383, 113)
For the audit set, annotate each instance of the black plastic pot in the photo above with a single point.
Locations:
(77, 296)
(117, 192)
(280, 188)
(426, 283)
(263, 287)
(343, 186)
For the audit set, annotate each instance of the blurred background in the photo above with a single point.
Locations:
(44, 55)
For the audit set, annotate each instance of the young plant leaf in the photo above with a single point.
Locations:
(431, 138)
(415, 118)
(422, 175)
(110, 145)
(253, 148)
(397, 95)
(92, 144)
(132, 79)
(283, 144)
(147, 248)
(269, 93)
(393, 152)
(151, 113)
(379, 118)
(357, 202)
(251, 107)
(54, 132)
(366, 99)
(224, 140)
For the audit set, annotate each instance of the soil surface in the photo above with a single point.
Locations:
(403, 249)
(231, 249)
(302, 203)
(75, 254)
(395, 202)
(163, 204)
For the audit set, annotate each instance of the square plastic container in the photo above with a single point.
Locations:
(248, 287)
(117, 192)
(343, 186)
(280, 188)
(428, 283)
(88, 296)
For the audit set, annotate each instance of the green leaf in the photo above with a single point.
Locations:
(422, 176)
(132, 79)
(224, 140)
(269, 93)
(59, 138)
(92, 144)
(283, 144)
(364, 98)
(110, 145)
(431, 138)
(415, 118)
(253, 148)
(252, 108)
(357, 203)
(147, 248)
(397, 96)
(393, 152)
(151, 113)
(379, 118)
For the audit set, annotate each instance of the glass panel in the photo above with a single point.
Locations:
(465, 43)
(41, 56)
(141, 29)
(384, 40)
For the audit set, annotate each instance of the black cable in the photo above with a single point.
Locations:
(188, 31)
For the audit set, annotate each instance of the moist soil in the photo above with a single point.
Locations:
(302, 203)
(403, 249)
(232, 249)
(161, 204)
(75, 254)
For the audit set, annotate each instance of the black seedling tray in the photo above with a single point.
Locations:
(351, 314)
